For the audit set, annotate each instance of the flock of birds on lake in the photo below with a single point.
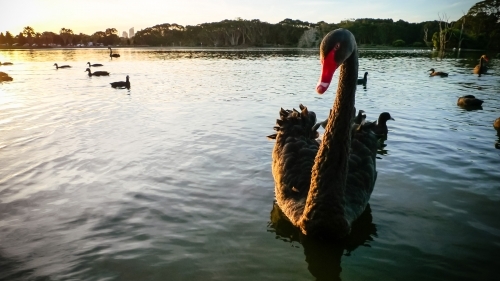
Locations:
(323, 185)
(468, 101)
(119, 85)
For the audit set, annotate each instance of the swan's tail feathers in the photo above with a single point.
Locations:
(284, 113)
(272, 137)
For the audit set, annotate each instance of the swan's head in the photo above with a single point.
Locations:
(55, 64)
(485, 58)
(366, 74)
(336, 47)
(431, 70)
(88, 69)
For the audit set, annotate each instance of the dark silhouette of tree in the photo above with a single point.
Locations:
(21, 40)
(478, 29)
(29, 33)
(66, 35)
(9, 39)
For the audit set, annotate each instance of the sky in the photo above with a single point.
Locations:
(90, 16)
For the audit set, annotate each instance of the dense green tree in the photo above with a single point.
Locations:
(478, 29)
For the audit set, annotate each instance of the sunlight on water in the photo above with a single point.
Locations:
(171, 180)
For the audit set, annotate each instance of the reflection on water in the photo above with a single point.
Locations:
(172, 178)
(323, 257)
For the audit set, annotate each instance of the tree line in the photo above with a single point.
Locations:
(478, 29)
(65, 37)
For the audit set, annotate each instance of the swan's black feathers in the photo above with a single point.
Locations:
(361, 176)
(296, 149)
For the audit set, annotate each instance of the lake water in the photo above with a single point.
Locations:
(171, 180)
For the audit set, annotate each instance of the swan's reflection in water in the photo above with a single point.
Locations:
(323, 256)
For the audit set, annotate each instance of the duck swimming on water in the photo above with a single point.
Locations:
(62, 66)
(362, 81)
(121, 84)
(6, 63)
(97, 73)
(379, 127)
(469, 101)
(94, 65)
(496, 124)
(438, 73)
(113, 55)
(4, 77)
(481, 68)
(323, 188)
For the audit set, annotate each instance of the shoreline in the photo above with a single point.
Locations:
(378, 47)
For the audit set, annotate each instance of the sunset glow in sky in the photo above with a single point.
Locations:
(90, 16)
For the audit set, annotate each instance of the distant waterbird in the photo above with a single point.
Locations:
(437, 73)
(6, 63)
(94, 65)
(496, 124)
(121, 84)
(4, 77)
(62, 66)
(481, 68)
(113, 55)
(469, 101)
(362, 81)
(97, 73)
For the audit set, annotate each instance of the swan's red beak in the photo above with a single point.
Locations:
(329, 67)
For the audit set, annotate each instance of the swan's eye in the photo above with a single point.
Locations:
(337, 46)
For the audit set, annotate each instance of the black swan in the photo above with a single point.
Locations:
(4, 77)
(97, 73)
(6, 63)
(496, 125)
(62, 66)
(323, 188)
(481, 68)
(362, 81)
(113, 55)
(379, 127)
(121, 84)
(94, 65)
(438, 73)
(469, 101)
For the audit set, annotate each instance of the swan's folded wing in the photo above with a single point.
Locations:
(292, 164)
(362, 170)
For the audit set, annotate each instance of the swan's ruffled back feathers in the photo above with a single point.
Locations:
(293, 158)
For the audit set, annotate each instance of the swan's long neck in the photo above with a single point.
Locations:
(325, 202)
